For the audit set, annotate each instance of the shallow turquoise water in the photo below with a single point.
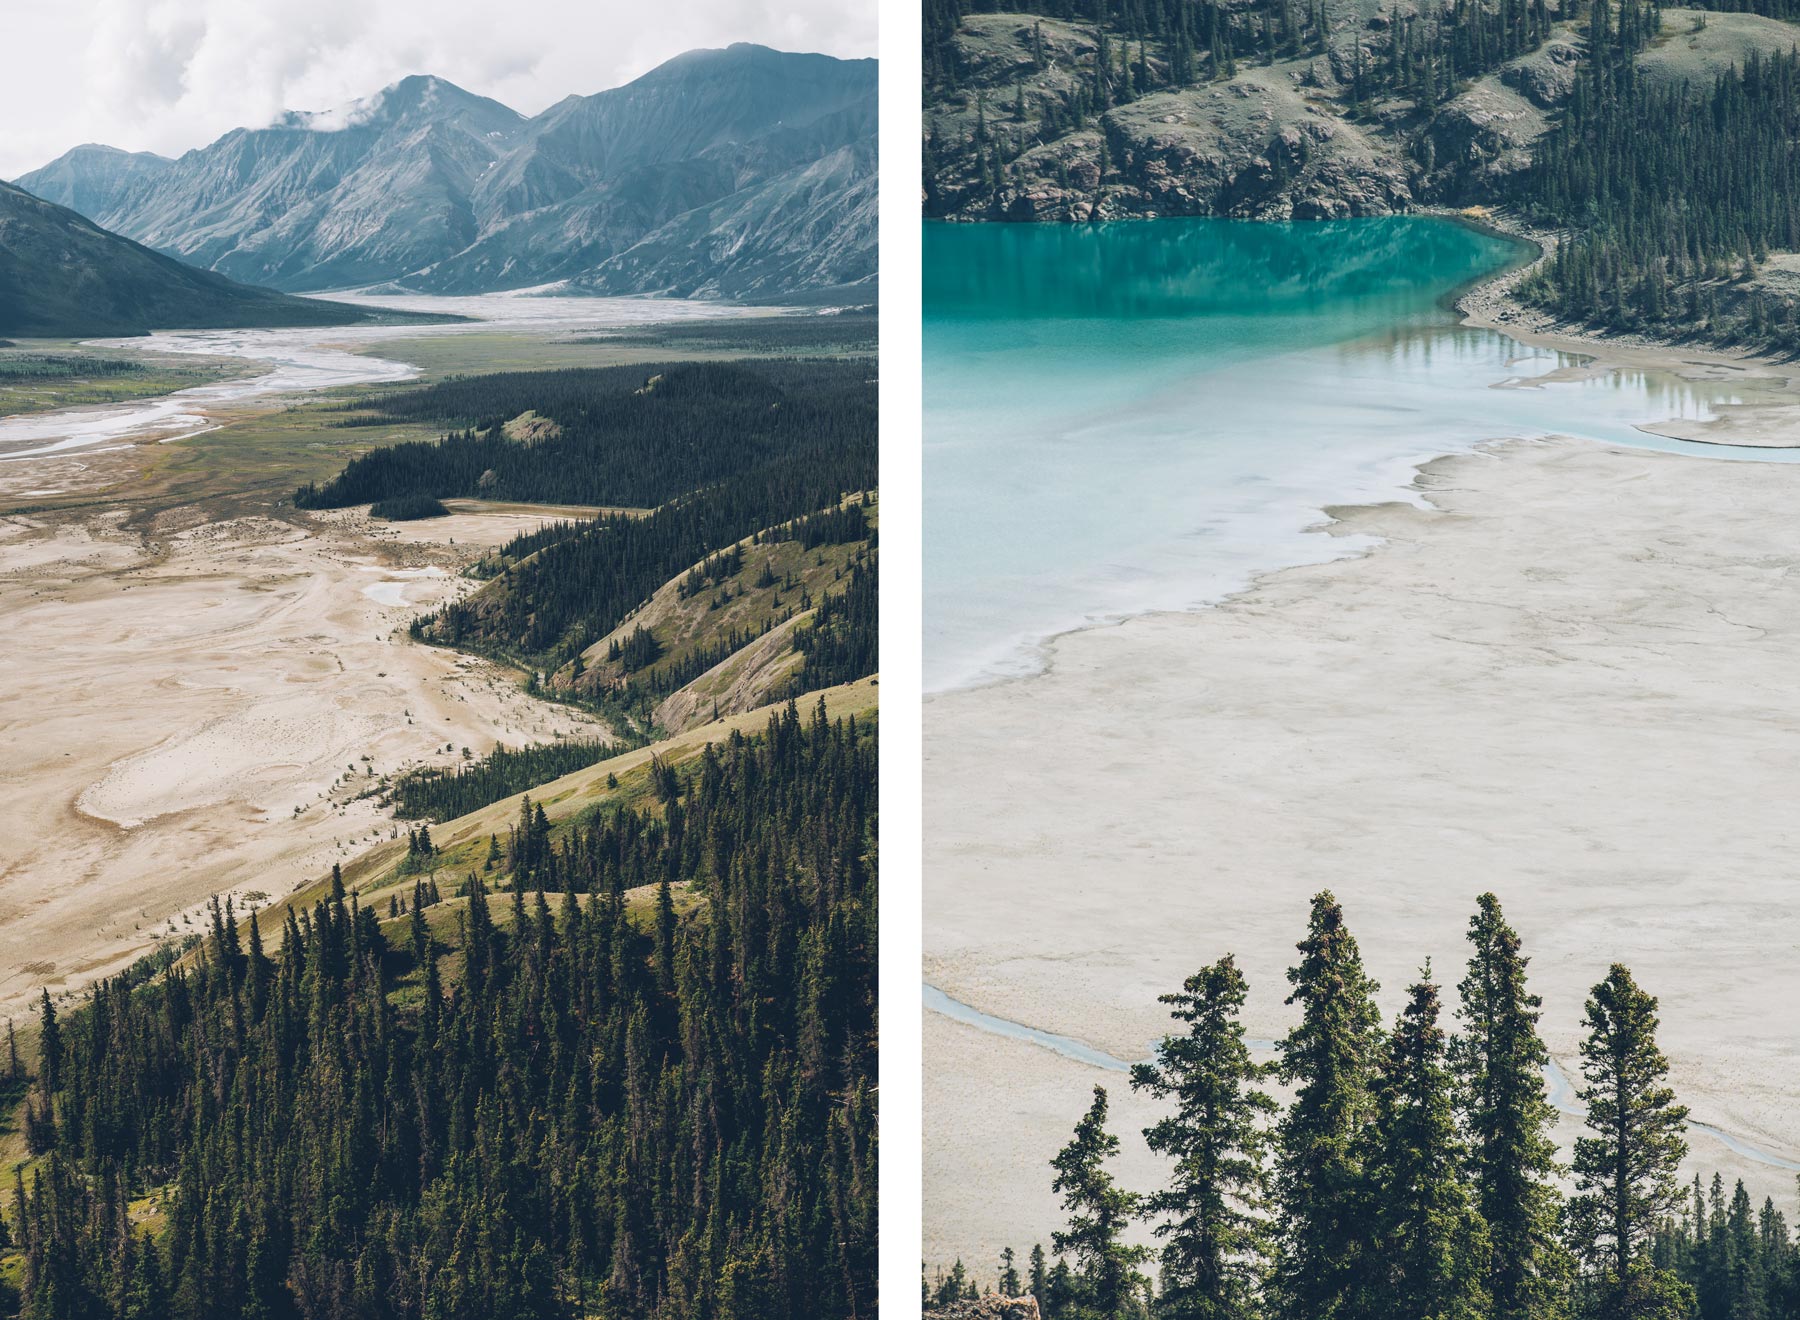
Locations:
(1132, 417)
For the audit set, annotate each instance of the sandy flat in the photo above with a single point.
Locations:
(483, 523)
(199, 708)
(1571, 679)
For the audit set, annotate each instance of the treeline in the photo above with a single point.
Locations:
(576, 589)
(844, 641)
(1413, 1175)
(1424, 56)
(1430, 55)
(583, 1111)
(407, 508)
(52, 366)
(432, 794)
(635, 436)
(494, 563)
(1667, 197)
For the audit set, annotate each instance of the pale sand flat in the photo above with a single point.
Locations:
(1574, 679)
(169, 704)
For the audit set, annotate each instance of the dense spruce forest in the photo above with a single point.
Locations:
(407, 508)
(1412, 1176)
(1669, 197)
(560, 1099)
(621, 437)
(844, 643)
(432, 794)
(54, 366)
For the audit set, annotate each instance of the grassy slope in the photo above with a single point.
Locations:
(462, 843)
(746, 679)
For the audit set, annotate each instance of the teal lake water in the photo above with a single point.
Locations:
(1135, 417)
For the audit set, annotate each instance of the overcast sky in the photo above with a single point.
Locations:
(168, 75)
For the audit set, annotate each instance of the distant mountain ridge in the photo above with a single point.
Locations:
(728, 173)
(92, 179)
(63, 275)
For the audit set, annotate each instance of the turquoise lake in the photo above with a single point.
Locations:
(1133, 417)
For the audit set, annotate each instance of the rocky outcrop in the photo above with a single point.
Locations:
(1476, 140)
(1546, 77)
(1271, 141)
(1269, 144)
(989, 1307)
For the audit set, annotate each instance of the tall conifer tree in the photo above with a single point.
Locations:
(1099, 1212)
(1216, 1237)
(1431, 1246)
(1329, 1058)
(1625, 1173)
(1499, 1061)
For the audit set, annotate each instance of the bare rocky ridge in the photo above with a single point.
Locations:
(722, 173)
(92, 180)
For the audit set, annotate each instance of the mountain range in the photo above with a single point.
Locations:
(63, 275)
(741, 172)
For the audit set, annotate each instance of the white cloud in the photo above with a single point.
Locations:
(170, 75)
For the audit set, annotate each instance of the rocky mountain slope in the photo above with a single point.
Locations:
(722, 172)
(93, 179)
(62, 275)
(1014, 129)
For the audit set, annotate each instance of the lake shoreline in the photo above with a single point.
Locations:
(1490, 304)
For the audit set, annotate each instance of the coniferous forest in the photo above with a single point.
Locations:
(698, 455)
(1669, 197)
(1412, 1173)
(432, 794)
(620, 437)
(562, 595)
(633, 1080)
(690, 462)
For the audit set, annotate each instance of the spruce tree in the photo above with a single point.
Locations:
(1216, 1237)
(1099, 1212)
(1499, 1060)
(49, 1046)
(1039, 1278)
(1329, 1058)
(1431, 1246)
(1009, 1284)
(1625, 1173)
